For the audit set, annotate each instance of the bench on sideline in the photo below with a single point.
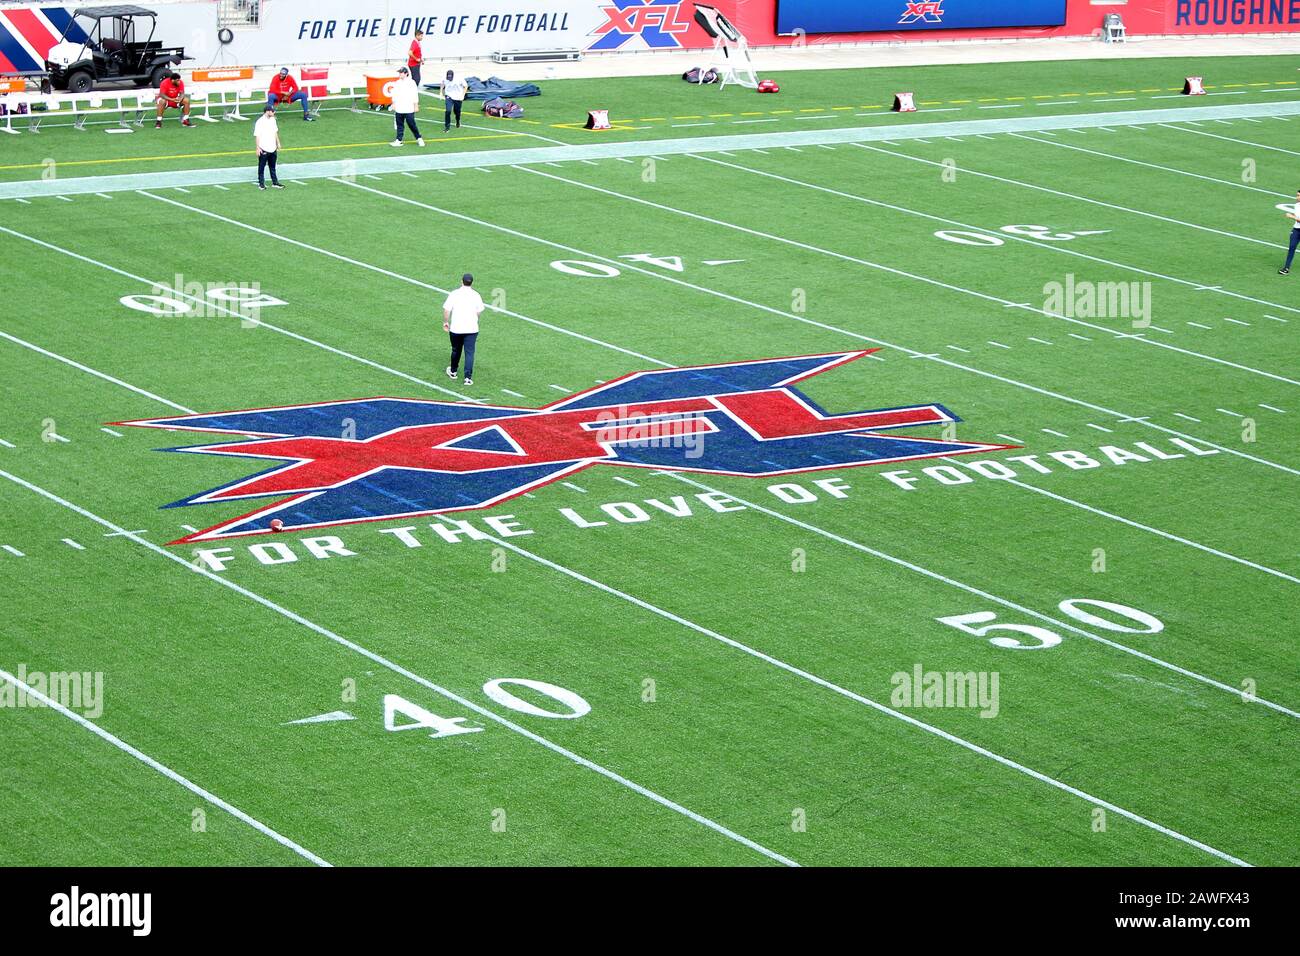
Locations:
(128, 110)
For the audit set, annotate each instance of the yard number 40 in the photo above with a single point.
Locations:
(977, 623)
(572, 706)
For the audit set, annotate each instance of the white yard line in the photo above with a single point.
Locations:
(1243, 142)
(1156, 531)
(161, 768)
(98, 374)
(402, 671)
(260, 323)
(1074, 252)
(812, 322)
(858, 698)
(1086, 199)
(1053, 247)
(395, 275)
(970, 589)
(135, 536)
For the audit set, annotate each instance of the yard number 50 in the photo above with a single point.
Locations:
(977, 623)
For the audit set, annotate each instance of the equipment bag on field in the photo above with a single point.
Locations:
(504, 109)
(695, 76)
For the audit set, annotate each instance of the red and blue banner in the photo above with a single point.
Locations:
(27, 33)
(861, 16)
(296, 32)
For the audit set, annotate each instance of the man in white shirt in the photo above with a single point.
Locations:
(1293, 215)
(460, 319)
(453, 91)
(266, 134)
(406, 100)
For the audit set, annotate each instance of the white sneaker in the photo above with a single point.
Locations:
(469, 381)
(396, 142)
(419, 140)
(450, 374)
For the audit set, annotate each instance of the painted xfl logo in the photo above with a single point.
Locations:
(657, 22)
(928, 11)
(380, 458)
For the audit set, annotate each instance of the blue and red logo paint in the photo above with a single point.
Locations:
(377, 459)
(659, 23)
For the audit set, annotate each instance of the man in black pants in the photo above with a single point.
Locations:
(460, 314)
(266, 134)
(1294, 216)
(453, 91)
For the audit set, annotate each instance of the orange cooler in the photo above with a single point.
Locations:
(379, 89)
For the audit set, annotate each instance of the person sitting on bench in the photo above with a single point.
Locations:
(284, 89)
(172, 95)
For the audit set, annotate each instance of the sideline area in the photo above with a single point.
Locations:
(640, 149)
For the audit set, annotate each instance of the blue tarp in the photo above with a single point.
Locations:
(493, 87)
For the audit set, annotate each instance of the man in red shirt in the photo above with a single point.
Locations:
(284, 89)
(172, 95)
(415, 57)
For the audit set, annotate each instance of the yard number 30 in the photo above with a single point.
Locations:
(977, 623)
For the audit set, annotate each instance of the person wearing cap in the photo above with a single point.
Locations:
(266, 134)
(415, 57)
(460, 320)
(453, 91)
(406, 100)
(284, 89)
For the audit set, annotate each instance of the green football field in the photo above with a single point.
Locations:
(1071, 642)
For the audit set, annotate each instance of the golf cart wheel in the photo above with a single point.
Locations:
(81, 82)
(158, 75)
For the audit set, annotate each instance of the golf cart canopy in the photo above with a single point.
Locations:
(123, 10)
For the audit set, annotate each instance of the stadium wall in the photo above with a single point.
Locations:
(323, 31)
